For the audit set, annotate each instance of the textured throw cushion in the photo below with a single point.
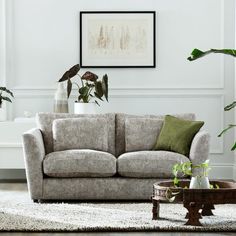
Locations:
(177, 135)
(79, 163)
(141, 133)
(120, 127)
(80, 133)
(148, 164)
(45, 120)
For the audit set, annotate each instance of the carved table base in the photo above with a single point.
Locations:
(194, 199)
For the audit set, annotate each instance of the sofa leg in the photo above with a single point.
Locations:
(35, 200)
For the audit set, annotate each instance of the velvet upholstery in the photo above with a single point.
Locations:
(45, 121)
(111, 188)
(37, 143)
(79, 163)
(34, 153)
(141, 133)
(120, 127)
(80, 133)
(148, 164)
(177, 135)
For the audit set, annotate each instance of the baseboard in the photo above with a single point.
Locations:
(12, 174)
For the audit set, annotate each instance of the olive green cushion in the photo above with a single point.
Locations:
(177, 134)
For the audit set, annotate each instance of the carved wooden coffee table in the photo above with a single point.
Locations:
(194, 199)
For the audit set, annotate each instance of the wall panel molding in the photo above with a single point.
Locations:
(9, 34)
(3, 42)
(144, 94)
(153, 92)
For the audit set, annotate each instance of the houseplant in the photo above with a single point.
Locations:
(5, 95)
(196, 54)
(199, 181)
(90, 89)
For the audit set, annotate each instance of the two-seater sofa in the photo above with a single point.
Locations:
(126, 170)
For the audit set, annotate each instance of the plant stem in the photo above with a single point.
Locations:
(81, 80)
(76, 84)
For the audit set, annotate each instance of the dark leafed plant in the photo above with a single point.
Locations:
(90, 86)
(5, 94)
(195, 54)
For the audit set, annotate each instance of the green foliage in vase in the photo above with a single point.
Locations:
(185, 169)
(5, 95)
(196, 54)
(90, 87)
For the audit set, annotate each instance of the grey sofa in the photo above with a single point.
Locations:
(126, 171)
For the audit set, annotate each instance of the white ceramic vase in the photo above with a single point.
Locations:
(3, 113)
(199, 182)
(85, 108)
(60, 100)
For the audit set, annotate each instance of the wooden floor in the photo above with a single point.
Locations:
(23, 187)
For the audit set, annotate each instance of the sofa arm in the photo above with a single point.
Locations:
(199, 150)
(34, 152)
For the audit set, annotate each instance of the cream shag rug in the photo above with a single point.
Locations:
(19, 213)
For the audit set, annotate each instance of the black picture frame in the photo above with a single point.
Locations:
(149, 42)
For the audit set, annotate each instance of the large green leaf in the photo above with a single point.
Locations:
(6, 90)
(105, 86)
(233, 147)
(196, 53)
(69, 87)
(230, 126)
(230, 106)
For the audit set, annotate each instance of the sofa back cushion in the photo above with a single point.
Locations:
(141, 133)
(45, 121)
(120, 127)
(80, 133)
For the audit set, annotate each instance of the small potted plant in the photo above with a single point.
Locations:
(90, 89)
(5, 95)
(199, 181)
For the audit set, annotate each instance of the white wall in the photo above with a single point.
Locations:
(42, 41)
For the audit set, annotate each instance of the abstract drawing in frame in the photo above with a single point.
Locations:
(117, 39)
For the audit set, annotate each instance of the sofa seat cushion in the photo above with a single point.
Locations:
(79, 163)
(148, 164)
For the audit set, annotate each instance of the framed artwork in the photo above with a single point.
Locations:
(117, 39)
